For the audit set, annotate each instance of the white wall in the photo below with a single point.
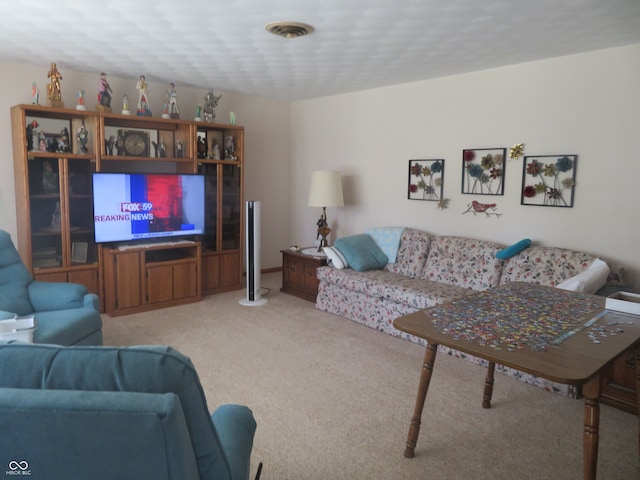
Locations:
(266, 125)
(585, 104)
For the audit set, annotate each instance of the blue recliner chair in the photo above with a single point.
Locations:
(103, 413)
(65, 313)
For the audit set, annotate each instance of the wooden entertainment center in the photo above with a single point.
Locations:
(53, 168)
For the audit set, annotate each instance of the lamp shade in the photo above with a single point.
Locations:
(326, 189)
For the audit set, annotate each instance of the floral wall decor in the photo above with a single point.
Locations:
(426, 180)
(483, 171)
(549, 180)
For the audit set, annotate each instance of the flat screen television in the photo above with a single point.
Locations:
(147, 206)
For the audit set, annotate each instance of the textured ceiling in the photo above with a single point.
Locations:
(357, 44)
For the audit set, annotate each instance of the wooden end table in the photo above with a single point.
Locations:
(577, 354)
(299, 272)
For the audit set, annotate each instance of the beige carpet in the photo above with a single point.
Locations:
(333, 399)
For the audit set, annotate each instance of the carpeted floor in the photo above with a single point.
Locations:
(333, 399)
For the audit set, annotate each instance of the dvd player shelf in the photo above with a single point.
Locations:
(56, 152)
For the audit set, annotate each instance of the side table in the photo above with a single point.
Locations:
(299, 272)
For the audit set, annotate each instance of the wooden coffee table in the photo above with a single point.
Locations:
(565, 337)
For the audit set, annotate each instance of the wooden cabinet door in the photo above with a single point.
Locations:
(160, 283)
(185, 281)
(128, 273)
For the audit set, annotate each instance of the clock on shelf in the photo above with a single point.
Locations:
(136, 143)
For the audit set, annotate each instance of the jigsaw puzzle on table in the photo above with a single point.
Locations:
(516, 316)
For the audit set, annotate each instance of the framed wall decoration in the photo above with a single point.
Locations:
(549, 180)
(483, 171)
(426, 180)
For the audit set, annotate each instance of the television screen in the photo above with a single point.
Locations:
(138, 206)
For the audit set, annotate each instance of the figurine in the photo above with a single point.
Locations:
(179, 149)
(104, 94)
(143, 97)
(230, 149)
(155, 149)
(35, 94)
(120, 145)
(109, 144)
(232, 117)
(80, 105)
(198, 117)
(163, 149)
(165, 110)
(42, 141)
(125, 105)
(31, 132)
(49, 179)
(210, 104)
(83, 138)
(55, 218)
(202, 148)
(172, 97)
(63, 141)
(216, 151)
(54, 95)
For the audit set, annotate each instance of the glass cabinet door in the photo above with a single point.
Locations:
(209, 240)
(231, 207)
(46, 207)
(83, 247)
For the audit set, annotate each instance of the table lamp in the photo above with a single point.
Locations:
(325, 191)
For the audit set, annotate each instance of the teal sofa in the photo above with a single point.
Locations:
(104, 413)
(66, 314)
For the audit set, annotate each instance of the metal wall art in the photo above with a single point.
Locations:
(549, 180)
(426, 180)
(483, 171)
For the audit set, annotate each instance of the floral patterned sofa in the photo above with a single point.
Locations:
(430, 270)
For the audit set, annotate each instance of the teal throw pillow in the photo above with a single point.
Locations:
(514, 249)
(361, 252)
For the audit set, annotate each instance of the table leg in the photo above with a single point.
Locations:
(425, 379)
(488, 386)
(591, 391)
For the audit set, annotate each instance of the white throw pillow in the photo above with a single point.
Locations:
(335, 258)
(589, 281)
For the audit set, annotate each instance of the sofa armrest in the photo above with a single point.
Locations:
(236, 427)
(47, 296)
(91, 300)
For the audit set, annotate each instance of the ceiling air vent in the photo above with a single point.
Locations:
(289, 29)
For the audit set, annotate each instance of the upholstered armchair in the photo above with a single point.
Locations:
(100, 413)
(65, 313)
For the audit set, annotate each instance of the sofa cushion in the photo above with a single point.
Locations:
(415, 292)
(361, 252)
(464, 262)
(335, 258)
(146, 369)
(388, 239)
(545, 265)
(412, 253)
(589, 281)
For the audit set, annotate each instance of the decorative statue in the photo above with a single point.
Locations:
(143, 97)
(232, 117)
(109, 144)
(80, 105)
(198, 113)
(31, 132)
(35, 94)
(172, 97)
(125, 105)
(54, 96)
(83, 138)
(104, 93)
(210, 104)
(230, 149)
